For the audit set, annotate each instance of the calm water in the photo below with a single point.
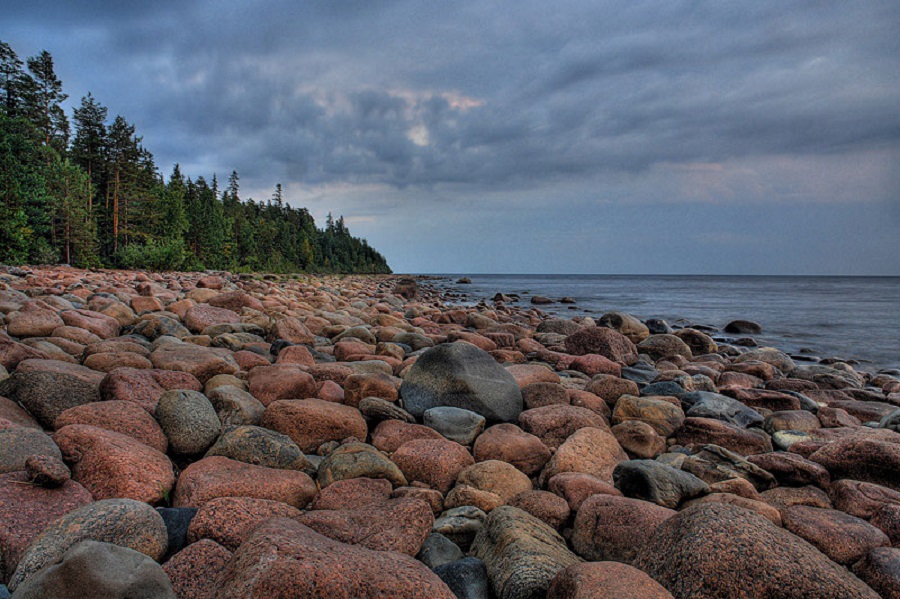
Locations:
(848, 317)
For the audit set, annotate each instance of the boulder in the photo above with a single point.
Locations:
(663, 347)
(710, 431)
(284, 559)
(880, 569)
(844, 538)
(713, 550)
(19, 443)
(869, 455)
(144, 387)
(590, 451)
(389, 435)
(194, 570)
(189, 421)
(605, 342)
(229, 520)
(355, 460)
(456, 424)
(521, 553)
(98, 570)
(280, 381)
(611, 528)
(463, 376)
(352, 493)
(260, 447)
(122, 522)
(124, 417)
(235, 407)
(508, 443)
(605, 579)
(201, 362)
(665, 417)
(47, 388)
(543, 505)
(554, 424)
(312, 422)
(704, 404)
(657, 483)
(435, 462)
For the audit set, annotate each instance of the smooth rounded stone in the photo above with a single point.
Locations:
(769, 355)
(312, 422)
(99, 570)
(641, 373)
(626, 324)
(560, 326)
(497, 477)
(657, 483)
(782, 498)
(400, 525)
(663, 389)
(869, 455)
(15, 414)
(456, 424)
(123, 522)
(704, 404)
(716, 464)
(309, 564)
(554, 424)
(663, 416)
(437, 550)
(461, 495)
(177, 521)
(639, 439)
(47, 388)
(33, 322)
(460, 525)
(99, 324)
(432, 497)
(26, 509)
(537, 395)
(260, 447)
(463, 376)
(193, 571)
(189, 421)
(17, 444)
(543, 505)
(526, 374)
(280, 381)
(861, 499)
(435, 462)
(589, 450)
(705, 431)
(221, 477)
(891, 421)
(827, 377)
(358, 386)
(508, 443)
(791, 469)
(521, 553)
(843, 538)
(467, 578)
(352, 493)
(700, 343)
(46, 471)
(743, 327)
(661, 347)
(235, 407)
(293, 330)
(144, 387)
(713, 550)
(658, 326)
(124, 417)
(389, 435)
(880, 569)
(762, 508)
(603, 341)
(381, 409)
(223, 380)
(13, 353)
(112, 465)
(229, 520)
(605, 579)
(201, 362)
(576, 487)
(784, 440)
(792, 420)
(610, 388)
(202, 316)
(613, 528)
(356, 460)
(887, 520)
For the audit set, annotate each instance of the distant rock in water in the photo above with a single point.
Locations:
(464, 281)
(743, 327)
(540, 300)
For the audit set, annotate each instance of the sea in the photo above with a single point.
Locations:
(809, 317)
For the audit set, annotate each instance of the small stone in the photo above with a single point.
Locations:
(437, 550)
(456, 424)
(47, 471)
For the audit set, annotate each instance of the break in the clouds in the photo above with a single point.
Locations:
(525, 136)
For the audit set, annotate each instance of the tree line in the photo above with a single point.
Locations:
(96, 197)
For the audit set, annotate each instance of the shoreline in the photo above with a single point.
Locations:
(215, 424)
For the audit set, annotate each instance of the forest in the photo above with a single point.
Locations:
(89, 194)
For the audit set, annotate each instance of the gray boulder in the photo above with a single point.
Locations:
(100, 571)
(260, 447)
(657, 483)
(705, 404)
(189, 421)
(463, 376)
(456, 424)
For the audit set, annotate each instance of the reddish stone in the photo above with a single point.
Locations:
(201, 316)
(782, 498)
(639, 439)
(576, 487)
(33, 321)
(112, 465)
(590, 450)
(330, 391)
(603, 341)
(202, 362)
(122, 417)
(389, 435)
(554, 424)
(144, 387)
(99, 324)
(283, 559)
(13, 412)
(280, 381)
(887, 520)
(211, 282)
(791, 469)
(593, 364)
(870, 455)
(217, 476)
(861, 499)
(141, 304)
(247, 360)
(359, 386)
(47, 471)
(538, 395)
(194, 570)
(589, 401)
(352, 493)
(543, 505)
(110, 361)
(701, 431)
(400, 525)
(764, 398)
(881, 571)
(509, 443)
(526, 374)
(312, 422)
(337, 373)
(435, 462)
(235, 300)
(843, 538)
(496, 477)
(228, 520)
(762, 508)
(26, 509)
(430, 496)
(291, 329)
(610, 528)
(836, 417)
(296, 354)
(611, 388)
(605, 579)
(12, 352)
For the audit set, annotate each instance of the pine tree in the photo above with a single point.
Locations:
(15, 83)
(44, 102)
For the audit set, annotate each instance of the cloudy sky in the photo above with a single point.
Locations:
(583, 136)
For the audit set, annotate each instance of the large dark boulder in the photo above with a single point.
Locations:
(713, 550)
(461, 375)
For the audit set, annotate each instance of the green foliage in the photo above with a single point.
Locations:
(102, 202)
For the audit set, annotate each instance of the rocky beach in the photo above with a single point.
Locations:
(206, 435)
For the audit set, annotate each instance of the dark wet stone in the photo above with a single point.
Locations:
(655, 482)
(177, 521)
(437, 550)
(467, 578)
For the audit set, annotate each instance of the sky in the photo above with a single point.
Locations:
(585, 136)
